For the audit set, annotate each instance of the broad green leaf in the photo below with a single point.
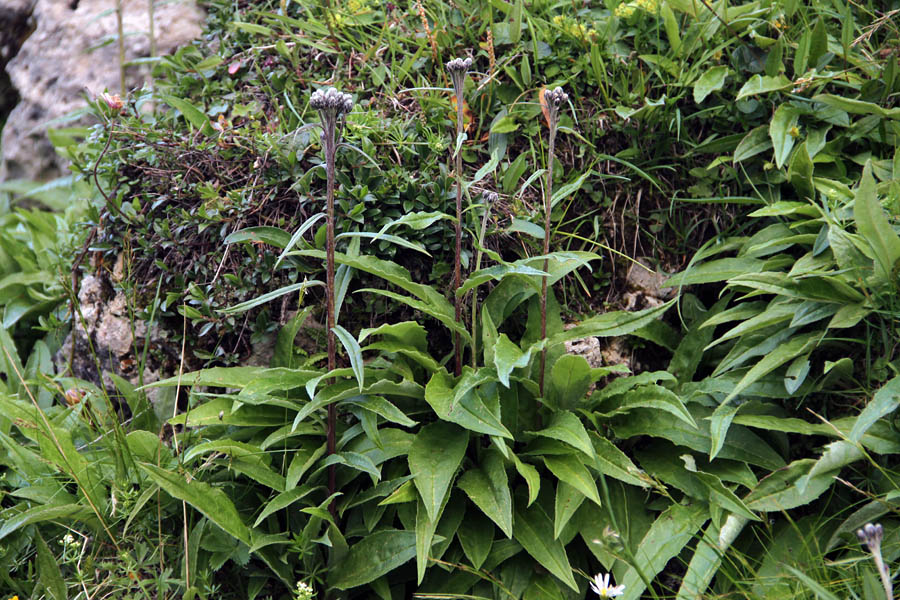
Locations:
(668, 535)
(382, 407)
(476, 535)
(720, 495)
(755, 142)
(570, 379)
(508, 356)
(780, 130)
(227, 377)
(570, 468)
(375, 555)
(704, 565)
(568, 500)
(219, 412)
(408, 333)
(762, 84)
(719, 422)
(655, 397)
(874, 227)
(497, 273)
(48, 571)
(425, 529)
(488, 488)
(837, 454)
(462, 404)
(569, 188)
(566, 427)
(434, 457)
(711, 81)
(534, 530)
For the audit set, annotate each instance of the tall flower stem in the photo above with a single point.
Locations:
(490, 198)
(332, 105)
(458, 68)
(553, 99)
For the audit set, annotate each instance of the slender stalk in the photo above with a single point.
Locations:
(332, 105)
(120, 31)
(151, 32)
(489, 199)
(458, 69)
(553, 99)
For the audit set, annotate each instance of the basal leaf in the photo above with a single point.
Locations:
(874, 227)
(566, 427)
(488, 488)
(375, 555)
(570, 468)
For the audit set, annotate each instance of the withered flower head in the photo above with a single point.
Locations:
(458, 68)
(554, 99)
(330, 102)
(113, 101)
(871, 535)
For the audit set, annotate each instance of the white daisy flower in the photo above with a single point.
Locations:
(600, 584)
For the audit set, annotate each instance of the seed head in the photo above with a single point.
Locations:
(459, 65)
(554, 99)
(871, 536)
(490, 198)
(329, 101)
(113, 101)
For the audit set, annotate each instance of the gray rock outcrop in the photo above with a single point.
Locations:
(72, 53)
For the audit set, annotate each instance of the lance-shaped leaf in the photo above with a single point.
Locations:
(434, 457)
(462, 404)
(487, 486)
(534, 530)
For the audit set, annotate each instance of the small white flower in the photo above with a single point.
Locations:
(600, 584)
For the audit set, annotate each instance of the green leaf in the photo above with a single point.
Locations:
(570, 379)
(783, 121)
(653, 396)
(476, 536)
(48, 571)
(668, 535)
(462, 404)
(874, 227)
(741, 444)
(857, 107)
(711, 81)
(210, 501)
(351, 346)
(534, 530)
(569, 188)
(375, 555)
(488, 488)
(755, 142)
(761, 84)
(611, 324)
(41, 513)
(191, 113)
(882, 404)
(266, 235)
(283, 500)
(814, 586)
(530, 474)
(567, 427)
(568, 500)
(299, 287)
(508, 356)
(570, 468)
(782, 491)
(782, 354)
(613, 462)
(434, 457)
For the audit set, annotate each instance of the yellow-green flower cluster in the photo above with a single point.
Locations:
(574, 28)
(623, 11)
(626, 10)
(358, 7)
(650, 6)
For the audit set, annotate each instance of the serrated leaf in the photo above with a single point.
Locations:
(434, 457)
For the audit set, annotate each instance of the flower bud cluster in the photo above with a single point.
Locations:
(490, 197)
(554, 98)
(331, 101)
(458, 68)
(871, 535)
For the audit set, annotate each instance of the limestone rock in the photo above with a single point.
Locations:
(67, 58)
